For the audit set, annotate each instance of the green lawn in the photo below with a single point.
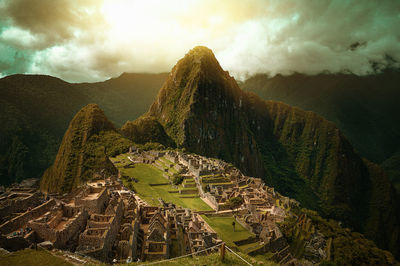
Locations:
(148, 174)
(223, 227)
(31, 257)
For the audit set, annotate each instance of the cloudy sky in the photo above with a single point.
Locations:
(92, 40)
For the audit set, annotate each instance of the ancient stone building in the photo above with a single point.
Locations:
(157, 238)
(93, 199)
(101, 231)
(59, 225)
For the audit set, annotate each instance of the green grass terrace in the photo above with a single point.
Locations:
(223, 227)
(149, 175)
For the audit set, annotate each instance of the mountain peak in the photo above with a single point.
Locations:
(93, 119)
(197, 80)
(75, 154)
(200, 52)
(199, 61)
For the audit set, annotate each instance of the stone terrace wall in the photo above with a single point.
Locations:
(76, 226)
(106, 241)
(21, 204)
(13, 243)
(92, 241)
(17, 222)
(133, 240)
(92, 223)
(43, 231)
(93, 205)
(244, 224)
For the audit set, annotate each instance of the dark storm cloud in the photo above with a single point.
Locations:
(312, 36)
(48, 22)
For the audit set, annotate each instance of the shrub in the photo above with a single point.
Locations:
(177, 179)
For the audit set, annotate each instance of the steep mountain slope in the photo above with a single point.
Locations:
(84, 151)
(392, 168)
(35, 111)
(364, 107)
(299, 153)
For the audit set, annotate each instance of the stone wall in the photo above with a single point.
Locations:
(73, 228)
(249, 240)
(212, 200)
(13, 243)
(273, 246)
(95, 205)
(178, 167)
(17, 222)
(102, 244)
(244, 224)
(189, 185)
(92, 238)
(188, 191)
(21, 204)
(59, 237)
(133, 241)
(95, 221)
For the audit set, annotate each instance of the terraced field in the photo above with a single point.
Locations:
(148, 177)
(223, 227)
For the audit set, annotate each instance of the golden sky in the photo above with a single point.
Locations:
(90, 40)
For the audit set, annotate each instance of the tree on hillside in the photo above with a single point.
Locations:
(177, 179)
(234, 203)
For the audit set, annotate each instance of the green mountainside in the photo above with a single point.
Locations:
(300, 153)
(35, 111)
(84, 151)
(146, 129)
(364, 107)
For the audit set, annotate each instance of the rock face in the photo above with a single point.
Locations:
(82, 151)
(299, 153)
